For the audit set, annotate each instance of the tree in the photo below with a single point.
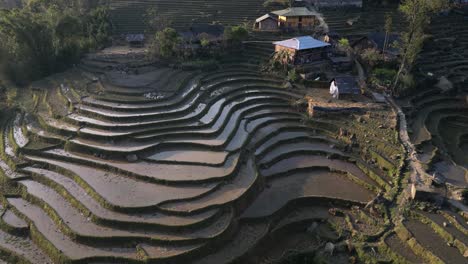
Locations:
(155, 21)
(47, 36)
(388, 30)
(236, 34)
(418, 15)
(166, 43)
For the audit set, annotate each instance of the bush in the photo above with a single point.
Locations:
(464, 196)
(235, 35)
(371, 57)
(383, 76)
(292, 75)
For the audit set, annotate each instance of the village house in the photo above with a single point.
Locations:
(297, 18)
(211, 32)
(289, 19)
(302, 50)
(267, 22)
(376, 41)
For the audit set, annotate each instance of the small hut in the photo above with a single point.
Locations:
(135, 40)
(267, 22)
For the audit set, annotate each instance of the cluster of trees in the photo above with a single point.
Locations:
(168, 44)
(46, 36)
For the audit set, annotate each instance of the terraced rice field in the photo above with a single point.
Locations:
(127, 15)
(174, 165)
(439, 118)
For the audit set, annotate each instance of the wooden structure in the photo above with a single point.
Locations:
(268, 22)
(376, 41)
(211, 32)
(297, 18)
(302, 50)
(135, 40)
(344, 85)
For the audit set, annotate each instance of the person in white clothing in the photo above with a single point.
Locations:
(334, 89)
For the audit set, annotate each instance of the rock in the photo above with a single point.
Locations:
(329, 248)
(444, 84)
(438, 179)
(350, 246)
(445, 224)
(132, 157)
(312, 228)
(335, 212)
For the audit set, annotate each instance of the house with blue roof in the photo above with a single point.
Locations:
(302, 50)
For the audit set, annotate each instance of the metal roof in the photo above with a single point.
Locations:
(302, 43)
(266, 16)
(295, 11)
(135, 37)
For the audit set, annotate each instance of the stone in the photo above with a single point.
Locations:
(445, 224)
(329, 248)
(312, 228)
(438, 179)
(132, 157)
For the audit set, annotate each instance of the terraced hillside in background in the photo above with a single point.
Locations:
(122, 160)
(439, 117)
(128, 15)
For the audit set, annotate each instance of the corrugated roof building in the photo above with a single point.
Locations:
(302, 50)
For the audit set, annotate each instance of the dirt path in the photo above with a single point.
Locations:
(418, 174)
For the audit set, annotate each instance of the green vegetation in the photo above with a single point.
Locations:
(166, 44)
(382, 76)
(418, 15)
(343, 43)
(48, 36)
(464, 195)
(236, 34)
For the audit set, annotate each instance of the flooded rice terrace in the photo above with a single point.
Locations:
(126, 161)
(123, 176)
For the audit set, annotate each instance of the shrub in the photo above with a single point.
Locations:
(383, 76)
(464, 196)
(292, 75)
(235, 35)
(344, 43)
(371, 57)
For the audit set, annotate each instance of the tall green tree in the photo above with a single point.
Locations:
(165, 44)
(418, 16)
(388, 30)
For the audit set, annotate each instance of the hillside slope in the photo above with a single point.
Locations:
(128, 15)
